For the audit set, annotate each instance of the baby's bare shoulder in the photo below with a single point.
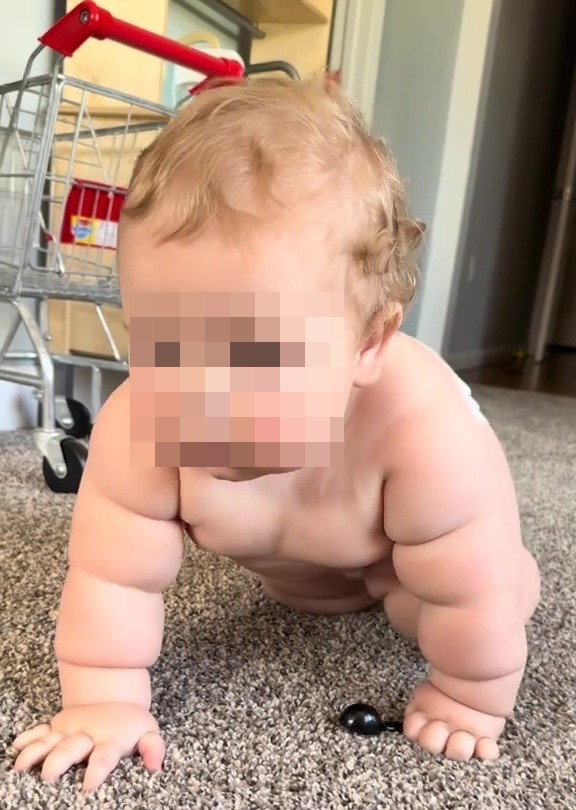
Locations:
(444, 473)
(446, 466)
(422, 390)
(116, 469)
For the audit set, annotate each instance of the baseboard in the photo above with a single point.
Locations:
(472, 358)
(18, 406)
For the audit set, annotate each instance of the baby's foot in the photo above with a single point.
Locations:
(442, 725)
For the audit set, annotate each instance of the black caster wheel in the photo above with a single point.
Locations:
(75, 455)
(81, 426)
(81, 420)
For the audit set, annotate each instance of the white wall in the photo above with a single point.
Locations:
(428, 102)
(26, 20)
(458, 162)
(414, 85)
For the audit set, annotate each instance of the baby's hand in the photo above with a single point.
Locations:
(440, 724)
(101, 733)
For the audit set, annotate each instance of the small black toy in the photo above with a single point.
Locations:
(361, 718)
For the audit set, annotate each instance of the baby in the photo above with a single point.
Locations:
(276, 415)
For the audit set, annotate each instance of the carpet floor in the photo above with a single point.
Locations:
(248, 692)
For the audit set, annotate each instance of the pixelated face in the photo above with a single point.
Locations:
(238, 379)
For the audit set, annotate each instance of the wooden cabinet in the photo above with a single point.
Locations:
(296, 31)
(299, 37)
(292, 12)
(113, 65)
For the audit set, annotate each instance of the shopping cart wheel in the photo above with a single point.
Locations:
(81, 420)
(81, 425)
(75, 455)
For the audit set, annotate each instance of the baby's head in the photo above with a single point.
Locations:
(265, 246)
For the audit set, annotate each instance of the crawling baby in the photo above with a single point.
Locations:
(276, 415)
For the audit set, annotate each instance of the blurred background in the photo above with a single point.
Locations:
(478, 102)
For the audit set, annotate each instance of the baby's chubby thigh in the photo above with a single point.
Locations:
(530, 580)
(401, 607)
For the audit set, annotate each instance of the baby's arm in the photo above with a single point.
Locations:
(125, 548)
(450, 509)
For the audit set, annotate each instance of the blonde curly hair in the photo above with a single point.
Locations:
(262, 140)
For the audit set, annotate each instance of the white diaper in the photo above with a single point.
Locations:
(467, 392)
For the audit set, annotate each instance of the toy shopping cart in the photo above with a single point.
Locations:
(67, 148)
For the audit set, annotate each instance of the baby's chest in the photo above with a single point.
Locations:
(335, 534)
(292, 526)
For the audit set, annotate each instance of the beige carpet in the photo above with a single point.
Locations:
(247, 692)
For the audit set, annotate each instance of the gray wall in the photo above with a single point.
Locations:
(27, 20)
(511, 193)
(413, 92)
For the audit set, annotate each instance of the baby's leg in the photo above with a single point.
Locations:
(402, 611)
(531, 585)
(328, 593)
(400, 606)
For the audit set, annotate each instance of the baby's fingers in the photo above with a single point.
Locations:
(70, 751)
(36, 751)
(101, 763)
(31, 735)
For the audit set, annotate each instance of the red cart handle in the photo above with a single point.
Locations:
(89, 20)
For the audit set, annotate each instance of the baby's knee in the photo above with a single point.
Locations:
(402, 611)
